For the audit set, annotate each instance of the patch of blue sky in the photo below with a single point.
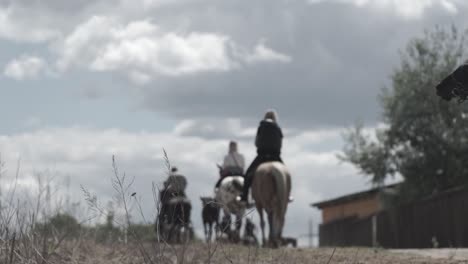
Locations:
(63, 102)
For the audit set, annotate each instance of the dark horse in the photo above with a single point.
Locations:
(174, 224)
(210, 216)
(250, 239)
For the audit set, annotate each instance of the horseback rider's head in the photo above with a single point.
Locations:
(271, 115)
(174, 169)
(232, 147)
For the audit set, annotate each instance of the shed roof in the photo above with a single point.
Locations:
(352, 197)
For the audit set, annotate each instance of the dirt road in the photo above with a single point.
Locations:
(441, 254)
(223, 253)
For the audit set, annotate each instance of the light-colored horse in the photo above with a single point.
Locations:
(271, 188)
(226, 195)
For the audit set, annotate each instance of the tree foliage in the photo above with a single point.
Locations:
(60, 225)
(424, 139)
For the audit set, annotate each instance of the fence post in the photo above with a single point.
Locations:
(374, 231)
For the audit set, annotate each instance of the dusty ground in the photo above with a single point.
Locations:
(221, 253)
(442, 253)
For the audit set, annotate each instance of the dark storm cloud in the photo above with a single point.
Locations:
(337, 55)
(342, 55)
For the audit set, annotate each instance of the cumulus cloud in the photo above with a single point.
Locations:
(19, 29)
(189, 58)
(265, 54)
(337, 57)
(141, 49)
(406, 9)
(235, 129)
(25, 67)
(107, 46)
(85, 155)
(228, 128)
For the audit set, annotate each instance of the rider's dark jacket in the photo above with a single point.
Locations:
(269, 138)
(268, 141)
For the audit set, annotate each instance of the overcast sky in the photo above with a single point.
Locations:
(83, 80)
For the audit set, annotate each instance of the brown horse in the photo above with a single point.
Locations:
(271, 187)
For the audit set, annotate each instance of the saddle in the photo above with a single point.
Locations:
(171, 196)
(232, 171)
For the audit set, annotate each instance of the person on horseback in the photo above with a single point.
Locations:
(174, 186)
(268, 141)
(233, 164)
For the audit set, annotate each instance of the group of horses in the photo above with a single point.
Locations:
(271, 187)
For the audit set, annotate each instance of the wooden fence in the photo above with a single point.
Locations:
(438, 221)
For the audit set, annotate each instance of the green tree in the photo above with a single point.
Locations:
(142, 232)
(424, 139)
(107, 233)
(60, 225)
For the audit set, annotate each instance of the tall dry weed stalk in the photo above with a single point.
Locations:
(25, 236)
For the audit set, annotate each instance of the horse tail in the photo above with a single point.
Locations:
(282, 200)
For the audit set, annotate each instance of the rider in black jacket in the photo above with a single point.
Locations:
(268, 142)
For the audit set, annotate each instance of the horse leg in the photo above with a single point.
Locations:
(228, 222)
(206, 230)
(181, 234)
(238, 226)
(281, 226)
(177, 234)
(170, 233)
(216, 228)
(271, 225)
(262, 225)
(210, 231)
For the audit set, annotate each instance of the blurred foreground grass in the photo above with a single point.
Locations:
(83, 251)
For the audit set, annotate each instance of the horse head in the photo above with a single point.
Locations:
(206, 200)
(220, 168)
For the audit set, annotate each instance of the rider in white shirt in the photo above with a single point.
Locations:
(233, 164)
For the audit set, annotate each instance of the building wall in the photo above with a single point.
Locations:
(362, 208)
(443, 217)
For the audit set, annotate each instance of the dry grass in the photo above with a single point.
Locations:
(23, 241)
